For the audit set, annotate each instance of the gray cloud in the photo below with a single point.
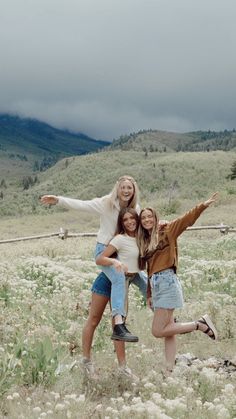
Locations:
(110, 67)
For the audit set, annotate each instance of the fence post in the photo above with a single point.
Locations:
(224, 229)
(63, 233)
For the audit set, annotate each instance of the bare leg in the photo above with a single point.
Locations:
(170, 352)
(170, 345)
(119, 348)
(164, 326)
(97, 307)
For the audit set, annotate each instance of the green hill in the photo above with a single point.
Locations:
(170, 177)
(162, 141)
(28, 144)
(170, 181)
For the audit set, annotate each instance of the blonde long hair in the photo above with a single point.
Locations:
(147, 242)
(113, 196)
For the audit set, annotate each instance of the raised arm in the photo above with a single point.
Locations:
(189, 218)
(105, 259)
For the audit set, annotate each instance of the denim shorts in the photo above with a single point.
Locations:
(102, 285)
(166, 290)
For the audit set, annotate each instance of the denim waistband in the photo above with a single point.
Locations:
(130, 275)
(169, 270)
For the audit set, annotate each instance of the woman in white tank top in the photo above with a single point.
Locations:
(124, 245)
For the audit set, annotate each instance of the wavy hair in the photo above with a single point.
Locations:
(147, 241)
(113, 196)
(120, 229)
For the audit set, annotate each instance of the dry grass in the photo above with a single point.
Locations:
(45, 292)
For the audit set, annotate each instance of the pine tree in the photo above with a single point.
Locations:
(232, 175)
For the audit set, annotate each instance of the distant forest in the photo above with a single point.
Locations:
(193, 141)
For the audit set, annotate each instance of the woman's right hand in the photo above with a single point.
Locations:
(49, 199)
(120, 267)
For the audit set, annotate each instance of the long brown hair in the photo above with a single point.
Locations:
(120, 228)
(147, 241)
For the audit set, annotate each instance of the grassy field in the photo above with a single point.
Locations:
(45, 293)
(44, 298)
(169, 181)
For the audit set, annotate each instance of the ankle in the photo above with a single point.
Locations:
(118, 319)
(122, 364)
(85, 359)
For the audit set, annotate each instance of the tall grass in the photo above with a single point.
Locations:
(45, 294)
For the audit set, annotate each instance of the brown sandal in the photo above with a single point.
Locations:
(210, 326)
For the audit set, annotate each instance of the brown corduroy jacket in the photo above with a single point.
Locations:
(166, 253)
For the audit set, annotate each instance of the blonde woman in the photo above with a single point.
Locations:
(124, 194)
(158, 250)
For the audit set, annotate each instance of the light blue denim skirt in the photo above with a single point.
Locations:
(166, 290)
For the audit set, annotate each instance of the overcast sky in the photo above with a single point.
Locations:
(111, 67)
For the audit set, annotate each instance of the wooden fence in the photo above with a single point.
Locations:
(64, 233)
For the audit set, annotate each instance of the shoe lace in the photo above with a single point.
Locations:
(124, 326)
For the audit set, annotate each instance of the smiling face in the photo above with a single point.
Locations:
(129, 223)
(148, 219)
(125, 192)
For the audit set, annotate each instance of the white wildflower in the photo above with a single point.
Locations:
(81, 398)
(223, 413)
(72, 396)
(150, 386)
(229, 389)
(157, 398)
(126, 409)
(37, 409)
(59, 407)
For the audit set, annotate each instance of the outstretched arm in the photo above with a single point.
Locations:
(188, 219)
(105, 259)
(92, 206)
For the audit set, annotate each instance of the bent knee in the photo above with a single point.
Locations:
(157, 333)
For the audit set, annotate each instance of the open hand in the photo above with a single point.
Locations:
(120, 267)
(212, 199)
(49, 199)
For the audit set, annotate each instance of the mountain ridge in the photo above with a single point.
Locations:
(162, 141)
(35, 139)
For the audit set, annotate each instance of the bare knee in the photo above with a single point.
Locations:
(93, 321)
(157, 333)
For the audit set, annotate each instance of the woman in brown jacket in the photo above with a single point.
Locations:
(159, 252)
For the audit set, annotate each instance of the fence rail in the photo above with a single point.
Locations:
(64, 233)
